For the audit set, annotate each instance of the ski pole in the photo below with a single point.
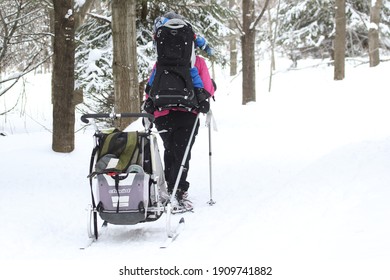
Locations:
(211, 201)
(169, 203)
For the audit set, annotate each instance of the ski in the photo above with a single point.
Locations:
(181, 210)
(182, 207)
(87, 244)
(173, 235)
(91, 240)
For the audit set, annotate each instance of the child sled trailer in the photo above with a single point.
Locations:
(126, 176)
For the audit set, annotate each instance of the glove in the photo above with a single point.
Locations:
(204, 107)
(201, 94)
(214, 84)
(148, 106)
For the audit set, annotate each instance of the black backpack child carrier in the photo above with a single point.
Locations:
(172, 85)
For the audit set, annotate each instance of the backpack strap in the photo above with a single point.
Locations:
(116, 178)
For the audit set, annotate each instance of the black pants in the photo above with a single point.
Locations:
(179, 126)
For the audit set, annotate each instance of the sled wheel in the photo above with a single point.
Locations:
(95, 227)
(168, 220)
(92, 223)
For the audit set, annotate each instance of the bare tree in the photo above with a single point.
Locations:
(248, 36)
(373, 32)
(339, 41)
(24, 40)
(125, 58)
(273, 35)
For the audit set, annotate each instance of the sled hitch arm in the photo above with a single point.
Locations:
(85, 117)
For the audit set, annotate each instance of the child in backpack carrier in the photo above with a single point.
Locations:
(177, 90)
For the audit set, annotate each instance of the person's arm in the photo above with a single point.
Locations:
(201, 43)
(150, 82)
(204, 74)
(196, 78)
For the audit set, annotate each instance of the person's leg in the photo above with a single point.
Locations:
(181, 137)
(164, 123)
(179, 127)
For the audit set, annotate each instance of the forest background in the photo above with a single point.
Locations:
(101, 52)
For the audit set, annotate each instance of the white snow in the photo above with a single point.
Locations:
(373, 25)
(301, 180)
(79, 3)
(93, 56)
(69, 13)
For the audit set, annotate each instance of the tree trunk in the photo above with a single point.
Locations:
(125, 59)
(63, 77)
(373, 32)
(82, 12)
(63, 95)
(248, 53)
(233, 45)
(339, 42)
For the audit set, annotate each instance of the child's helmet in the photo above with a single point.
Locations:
(160, 21)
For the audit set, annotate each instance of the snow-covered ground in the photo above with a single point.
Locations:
(301, 180)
